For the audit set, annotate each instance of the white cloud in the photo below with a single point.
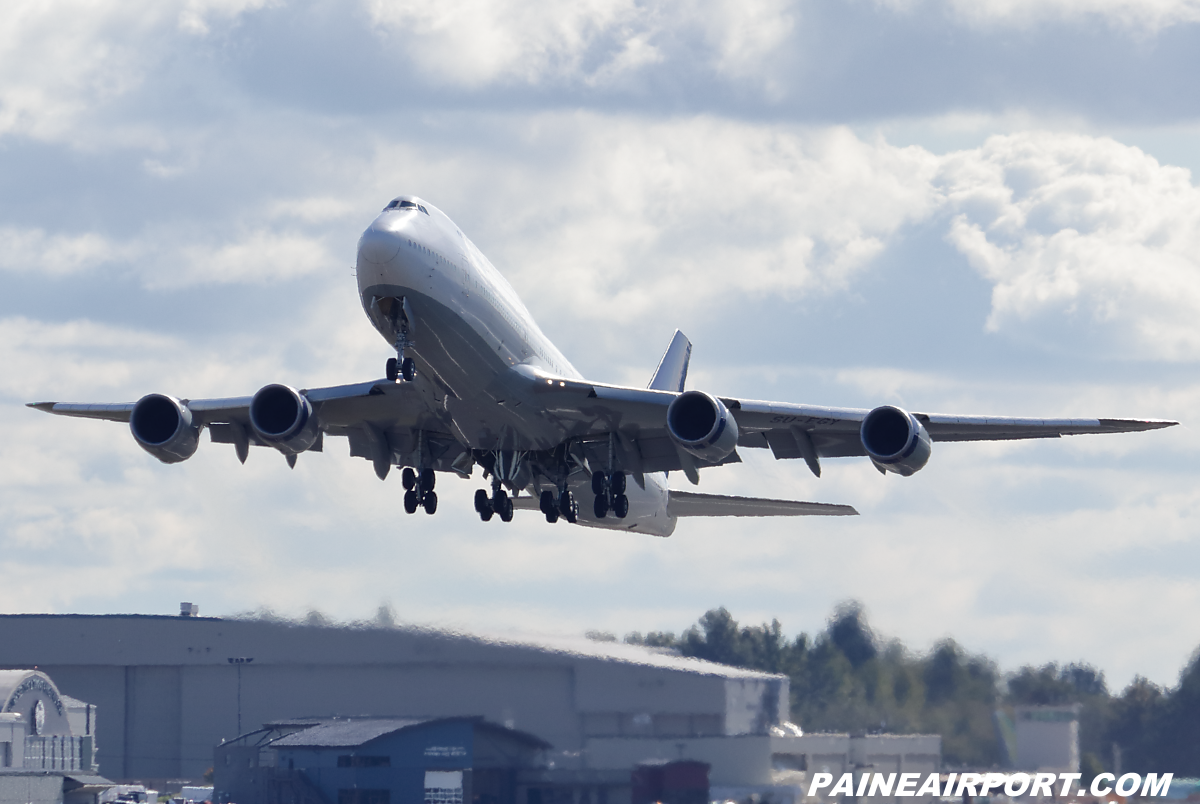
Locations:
(472, 43)
(257, 257)
(1081, 235)
(1138, 16)
(59, 58)
(34, 251)
(196, 16)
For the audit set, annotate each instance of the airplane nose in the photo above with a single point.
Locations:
(378, 247)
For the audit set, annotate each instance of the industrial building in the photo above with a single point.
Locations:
(46, 743)
(173, 688)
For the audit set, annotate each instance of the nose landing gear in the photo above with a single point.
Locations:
(397, 368)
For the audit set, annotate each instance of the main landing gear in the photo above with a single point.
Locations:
(609, 489)
(498, 503)
(563, 506)
(405, 368)
(419, 491)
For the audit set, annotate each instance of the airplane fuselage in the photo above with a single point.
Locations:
(430, 292)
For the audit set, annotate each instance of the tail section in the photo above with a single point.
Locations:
(672, 369)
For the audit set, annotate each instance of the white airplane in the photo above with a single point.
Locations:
(475, 382)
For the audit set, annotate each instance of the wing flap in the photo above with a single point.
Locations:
(689, 503)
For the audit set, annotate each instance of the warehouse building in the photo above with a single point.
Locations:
(173, 688)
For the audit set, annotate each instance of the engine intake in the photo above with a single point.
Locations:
(162, 425)
(895, 440)
(702, 425)
(282, 417)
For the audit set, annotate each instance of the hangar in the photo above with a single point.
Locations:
(173, 687)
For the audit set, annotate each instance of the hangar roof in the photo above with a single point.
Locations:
(126, 639)
(351, 732)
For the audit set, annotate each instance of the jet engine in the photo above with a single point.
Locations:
(162, 425)
(895, 440)
(284, 419)
(702, 425)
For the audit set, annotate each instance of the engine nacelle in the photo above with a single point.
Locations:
(162, 425)
(282, 417)
(702, 425)
(895, 440)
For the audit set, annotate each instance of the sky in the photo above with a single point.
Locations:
(961, 206)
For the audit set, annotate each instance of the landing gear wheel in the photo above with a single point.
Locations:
(568, 507)
(428, 480)
(506, 514)
(621, 506)
(393, 370)
(598, 483)
(410, 501)
(408, 478)
(616, 483)
(408, 369)
(483, 505)
(430, 502)
(600, 508)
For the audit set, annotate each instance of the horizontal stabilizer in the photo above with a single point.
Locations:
(690, 503)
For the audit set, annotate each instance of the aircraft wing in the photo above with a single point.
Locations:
(637, 416)
(379, 418)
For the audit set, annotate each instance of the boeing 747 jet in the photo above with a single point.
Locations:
(475, 383)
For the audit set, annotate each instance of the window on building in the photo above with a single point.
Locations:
(354, 761)
(360, 795)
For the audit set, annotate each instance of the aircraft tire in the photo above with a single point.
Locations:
(408, 369)
(506, 514)
(546, 503)
(482, 503)
(410, 501)
(428, 480)
(486, 513)
(598, 483)
(552, 515)
(600, 507)
(621, 506)
(617, 483)
(430, 502)
(568, 507)
(408, 478)
(392, 370)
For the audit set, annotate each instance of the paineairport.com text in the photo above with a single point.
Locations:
(1013, 785)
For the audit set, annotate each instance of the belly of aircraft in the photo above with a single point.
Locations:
(469, 359)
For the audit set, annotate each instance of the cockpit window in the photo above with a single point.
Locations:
(401, 203)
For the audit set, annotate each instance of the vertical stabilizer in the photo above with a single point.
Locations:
(672, 369)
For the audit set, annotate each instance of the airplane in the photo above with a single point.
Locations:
(475, 382)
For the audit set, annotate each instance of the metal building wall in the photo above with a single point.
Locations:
(170, 688)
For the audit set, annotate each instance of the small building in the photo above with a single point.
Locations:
(47, 743)
(1048, 738)
(377, 761)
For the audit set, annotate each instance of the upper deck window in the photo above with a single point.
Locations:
(401, 203)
